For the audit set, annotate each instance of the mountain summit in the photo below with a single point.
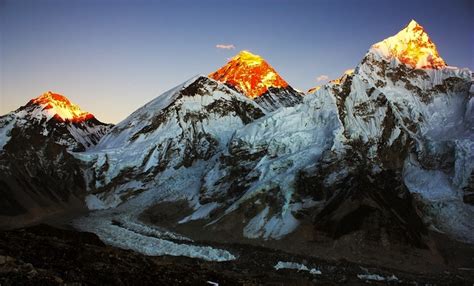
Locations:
(411, 46)
(58, 106)
(251, 75)
(53, 117)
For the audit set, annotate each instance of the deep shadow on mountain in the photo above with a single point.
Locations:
(379, 205)
(33, 186)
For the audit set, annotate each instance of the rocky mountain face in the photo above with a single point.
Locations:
(251, 75)
(38, 174)
(168, 143)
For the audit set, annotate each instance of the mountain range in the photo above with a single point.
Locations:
(383, 155)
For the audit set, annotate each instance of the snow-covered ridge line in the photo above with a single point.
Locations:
(159, 102)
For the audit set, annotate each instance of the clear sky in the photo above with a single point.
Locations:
(111, 57)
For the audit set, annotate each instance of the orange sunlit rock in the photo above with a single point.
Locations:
(61, 108)
(413, 47)
(250, 74)
(314, 89)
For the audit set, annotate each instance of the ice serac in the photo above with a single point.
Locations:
(38, 174)
(251, 75)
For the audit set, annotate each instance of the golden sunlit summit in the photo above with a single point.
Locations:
(413, 47)
(250, 74)
(61, 107)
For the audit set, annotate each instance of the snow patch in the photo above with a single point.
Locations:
(94, 203)
(296, 266)
(432, 185)
(445, 203)
(376, 277)
(6, 125)
(201, 213)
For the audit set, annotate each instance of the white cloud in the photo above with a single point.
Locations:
(322, 77)
(225, 47)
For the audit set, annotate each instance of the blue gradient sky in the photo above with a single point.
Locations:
(111, 57)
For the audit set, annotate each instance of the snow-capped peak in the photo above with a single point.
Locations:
(57, 106)
(411, 46)
(53, 116)
(346, 73)
(249, 74)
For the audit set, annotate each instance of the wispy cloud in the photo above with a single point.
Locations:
(225, 46)
(322, 77)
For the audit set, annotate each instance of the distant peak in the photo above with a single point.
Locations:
(413, 47)
(346, 73)
(52, 97)
(349, 71)
(413, 24)
(414, 31)
(250, 74)
(248, 58)
(247, 53)
(60, 107)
